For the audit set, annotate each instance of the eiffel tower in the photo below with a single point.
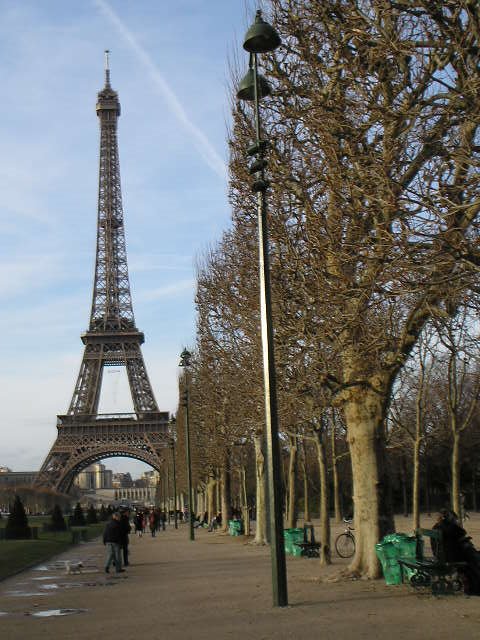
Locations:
(85, 436)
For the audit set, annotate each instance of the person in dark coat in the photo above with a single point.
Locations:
(125, 525)
(112, 538)
(458, 547)
(138, 522)
(153, 522)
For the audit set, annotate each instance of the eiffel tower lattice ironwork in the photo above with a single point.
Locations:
(112, 339)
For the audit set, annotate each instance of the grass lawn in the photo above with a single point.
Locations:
(16, 555)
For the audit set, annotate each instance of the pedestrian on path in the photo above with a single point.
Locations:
(126, 528)
(153, 522)
(112, 537)
(138, 521)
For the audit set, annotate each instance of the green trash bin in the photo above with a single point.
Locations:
(389, 550)
(407, 548)
(291, 536)
(387, 554)
(235, 527)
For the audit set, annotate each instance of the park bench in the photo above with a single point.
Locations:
(310, 548)
(432, 572)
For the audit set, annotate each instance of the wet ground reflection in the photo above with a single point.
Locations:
(49, 613)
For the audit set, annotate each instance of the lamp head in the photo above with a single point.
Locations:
(185, 358)
(261, 37)
(246, 88)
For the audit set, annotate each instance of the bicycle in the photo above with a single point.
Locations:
(345, 542)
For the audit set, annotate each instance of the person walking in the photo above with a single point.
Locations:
(163, 519)
(112, 537)
(152, 522)
(126, 528)
(138, 521)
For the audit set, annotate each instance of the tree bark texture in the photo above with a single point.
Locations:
(244, 500)
(325, 537)
(226, 497)
(306, 502)
(364, 413)
(456, 506)
(260, 510)
(416, 484)
(212, 507)
(336, 484)
(292, 483)
(404, 487)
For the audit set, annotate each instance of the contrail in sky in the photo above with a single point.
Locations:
(203, 145)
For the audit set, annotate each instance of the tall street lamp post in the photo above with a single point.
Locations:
(261, 38)
(185, 361)
(174, 468)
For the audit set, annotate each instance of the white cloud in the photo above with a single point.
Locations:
(203, 144)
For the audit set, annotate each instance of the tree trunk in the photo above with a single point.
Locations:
(200, 500)
(456, 474)
(427, 486)
(306, 503)
(416, 484)
(226, 497)
(212, 507)
(325, 553)
(474, 488)
(260, 498)
(365, 415)
(285, 506)
(244, 500)
(336, 484)
(292, 483)
(218, 500)
(404, 487)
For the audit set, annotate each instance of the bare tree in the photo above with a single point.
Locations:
(375, 117)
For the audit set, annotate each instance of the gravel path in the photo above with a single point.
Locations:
(220, 587)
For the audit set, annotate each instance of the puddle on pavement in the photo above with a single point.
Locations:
(50, 613)
(25, 594)
(50, 586)
(61, 565)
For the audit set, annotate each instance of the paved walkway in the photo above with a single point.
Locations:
(219, 588)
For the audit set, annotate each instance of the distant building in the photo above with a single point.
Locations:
(122, 480)
(16, 478)
(141, 495)
(152, 478)
(135, 491)
(96, 476)
(101, 486)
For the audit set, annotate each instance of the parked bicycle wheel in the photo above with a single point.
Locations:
(345, 545)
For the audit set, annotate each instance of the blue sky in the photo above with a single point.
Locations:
(170, 65)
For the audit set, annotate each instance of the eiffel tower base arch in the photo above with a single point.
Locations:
(83, 440)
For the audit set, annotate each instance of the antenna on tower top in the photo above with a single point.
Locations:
(107, 67)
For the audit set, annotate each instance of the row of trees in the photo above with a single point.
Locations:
(35, 499)
(17, 526)
(374, 165)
